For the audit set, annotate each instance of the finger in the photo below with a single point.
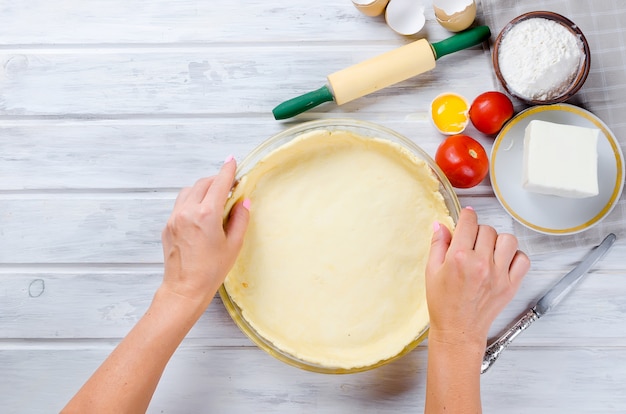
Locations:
(466, 230)
(199, 189)
(237, 224)
(218, 192)
(486, 240)
(520, 265)
(182, 196)
(439, 245)
(505, 250)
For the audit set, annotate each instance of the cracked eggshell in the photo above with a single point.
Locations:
(371, 7)
(405, 17)
(455, 15)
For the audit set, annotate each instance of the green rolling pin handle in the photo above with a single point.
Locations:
(303, 103)
(460, 41)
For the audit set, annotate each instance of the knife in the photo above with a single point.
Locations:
(552, 298)
(381, 71)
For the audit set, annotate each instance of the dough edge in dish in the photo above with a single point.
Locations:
(332, 267)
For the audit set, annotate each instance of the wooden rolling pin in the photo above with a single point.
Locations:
(381, 71)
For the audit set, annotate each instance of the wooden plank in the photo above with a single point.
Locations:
(61, 228)
(211, 81)
(120, 228)
(227, 380)
(95, 304)
(115, 228)
(150, 153)
(100, 303)
(121, 155)
(189, 21)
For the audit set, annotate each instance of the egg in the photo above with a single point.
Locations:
(371, 7)
(449, 113)
(455, 15)
(405, 17)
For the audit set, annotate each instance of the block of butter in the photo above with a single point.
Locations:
(560, 160)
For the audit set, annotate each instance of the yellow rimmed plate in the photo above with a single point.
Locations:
(550, 214)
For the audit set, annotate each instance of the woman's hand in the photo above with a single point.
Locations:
(470, 278)
(198, 247)
(199, 251)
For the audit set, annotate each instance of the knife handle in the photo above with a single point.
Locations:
(494, 350)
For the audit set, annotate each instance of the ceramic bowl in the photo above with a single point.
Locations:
(584, 66)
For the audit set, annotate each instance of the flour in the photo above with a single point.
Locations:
(539, 58)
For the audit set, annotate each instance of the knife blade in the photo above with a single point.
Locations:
(549, 300)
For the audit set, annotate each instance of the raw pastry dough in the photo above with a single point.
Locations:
(332, 267)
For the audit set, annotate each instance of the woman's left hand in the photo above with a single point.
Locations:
(198, 247)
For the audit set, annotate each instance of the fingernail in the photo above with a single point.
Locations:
(470, 208)
(436, 226)
(229, 159)
(246, 204)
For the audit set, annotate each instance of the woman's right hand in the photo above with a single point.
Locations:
(470, 277)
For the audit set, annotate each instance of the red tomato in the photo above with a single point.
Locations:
(463, 160)
(490, 111)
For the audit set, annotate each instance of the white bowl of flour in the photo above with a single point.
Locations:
(541, 58)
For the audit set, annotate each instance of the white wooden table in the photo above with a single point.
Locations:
(108, 108)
